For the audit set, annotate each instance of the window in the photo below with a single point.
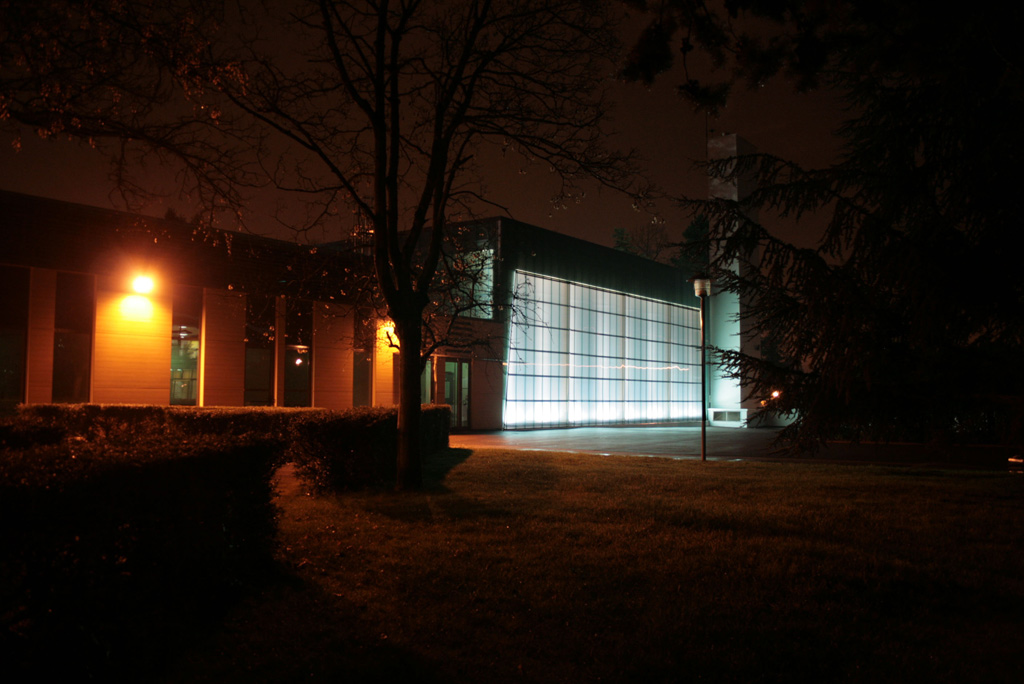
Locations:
(186, 319)
(298, 354)
(362, 362)
(72, 337)
(260, 322)
(14, 283)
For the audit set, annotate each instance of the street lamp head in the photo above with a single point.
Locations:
(701, 286)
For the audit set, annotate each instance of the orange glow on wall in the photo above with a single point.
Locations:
(386, 335)
(386, 346)
(136, 308)
(132, 350)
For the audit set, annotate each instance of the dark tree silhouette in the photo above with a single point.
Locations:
(130, 78)
(649, 240)
(907, 319)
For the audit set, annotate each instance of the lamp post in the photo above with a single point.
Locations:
(702, 288)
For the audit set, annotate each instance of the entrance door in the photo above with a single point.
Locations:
(455, 390)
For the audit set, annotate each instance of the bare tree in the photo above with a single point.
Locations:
(387, 106)
(132, 79)
(368, 108)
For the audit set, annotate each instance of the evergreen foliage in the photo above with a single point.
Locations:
(905, 321)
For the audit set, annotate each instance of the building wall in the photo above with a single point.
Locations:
(487, 392)
(119, 345)
(726, 329)
(131, 348)
(222, 355)
(333, 342)
(132, 344)
(592, 370)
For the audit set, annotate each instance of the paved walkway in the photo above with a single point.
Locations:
(671, 442)
(725, 444)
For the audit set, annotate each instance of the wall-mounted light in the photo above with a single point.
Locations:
(142, 284)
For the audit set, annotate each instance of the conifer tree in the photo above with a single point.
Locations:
(906, 320)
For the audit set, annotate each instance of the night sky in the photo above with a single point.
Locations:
(655, 121)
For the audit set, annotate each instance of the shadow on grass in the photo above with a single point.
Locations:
(280, 629)
(294, 631)
(116, 632)
(436, 496)
(437, 466)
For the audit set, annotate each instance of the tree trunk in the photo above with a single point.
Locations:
(410, 474)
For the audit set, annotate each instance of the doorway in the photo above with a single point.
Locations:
(453, 389)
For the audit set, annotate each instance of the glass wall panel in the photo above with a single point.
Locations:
(581, 355)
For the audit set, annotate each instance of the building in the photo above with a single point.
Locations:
(106, 307)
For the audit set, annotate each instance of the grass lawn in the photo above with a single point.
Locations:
(547, 567)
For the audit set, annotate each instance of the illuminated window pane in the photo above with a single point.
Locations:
(580, 355)
(186, 320)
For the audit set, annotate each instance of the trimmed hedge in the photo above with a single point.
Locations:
(112, 547)
(118, 420)
(333, 450)
(123, 523)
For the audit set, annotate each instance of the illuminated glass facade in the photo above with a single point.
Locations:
(583, 355)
